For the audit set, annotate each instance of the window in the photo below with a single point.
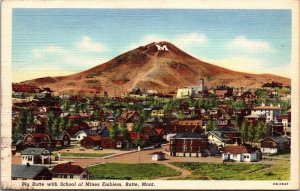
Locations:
(84, 176)
(71, 176)
(65, 176)
(29, 158)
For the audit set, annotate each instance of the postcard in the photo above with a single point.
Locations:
(133, 95)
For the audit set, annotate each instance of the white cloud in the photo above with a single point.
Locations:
(86, 44)
(252, 46)
(251, 65)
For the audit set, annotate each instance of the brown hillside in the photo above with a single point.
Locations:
(149, 68)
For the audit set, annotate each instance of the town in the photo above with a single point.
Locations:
(186, 134)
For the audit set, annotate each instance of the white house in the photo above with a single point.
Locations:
(35, 156)
(239, 154)
(185, 92)
(79, 136)
(217, 138)
(271, 112)
(274, 145)
(157, 156)
(69, 171)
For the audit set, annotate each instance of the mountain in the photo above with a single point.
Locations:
(157, 66)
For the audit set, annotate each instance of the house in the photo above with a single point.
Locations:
(188, 144)
(30, 172)
(223, 91)
(69, 171)
(157, 156)
(275, 145)
(38, 140)
(240, 153)
(63, 140)
(271, 112)
(217, 138)
(91, 141)
(185, 92)
(36, 156)
(79, 136)
(161, 113)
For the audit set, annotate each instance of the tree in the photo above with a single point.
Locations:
(49, 123)
(244, 132)
(124, 130)
(23, 122)
(180, 115)
(211, 125)
(265, 130)
(258, 132)
(57, 126)
(113, 131)
(251, 133)
(66, 106)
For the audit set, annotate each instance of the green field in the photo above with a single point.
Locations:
(144, 171)
(236, 171)
(85, 154)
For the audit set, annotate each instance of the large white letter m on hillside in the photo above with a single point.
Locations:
(163, 47)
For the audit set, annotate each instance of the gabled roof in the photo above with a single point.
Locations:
(279, 139)
(159, 131)
(237, 149)
(39, 135)
(93, 137)
(221, 136)
(67, 169)
(187, 135)
(33, 151)
(26, 171)
(134, 136)
(266, 108)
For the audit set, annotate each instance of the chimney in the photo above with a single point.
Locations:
(263, 104)
(271, 104)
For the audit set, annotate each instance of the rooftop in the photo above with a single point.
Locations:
(26, 171)
(33, 151)
(67, 169)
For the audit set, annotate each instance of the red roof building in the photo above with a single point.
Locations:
(69, 171)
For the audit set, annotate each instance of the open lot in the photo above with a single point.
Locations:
(143, 171)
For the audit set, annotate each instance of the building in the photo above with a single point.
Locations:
(91, 141)
(240, 153)
(271, 112)
(188, 145)
(63, 140)
(185, 92)
(36, 156)
(69, 171)
(79, 136)
(30, 172)
(223, 91)
(275, 145)
(161, 113)
(224, 136)
(38, 140)
(157, 156)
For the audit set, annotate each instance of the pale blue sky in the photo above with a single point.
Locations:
(51, 42)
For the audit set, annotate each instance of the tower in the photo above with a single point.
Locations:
(201, 85)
